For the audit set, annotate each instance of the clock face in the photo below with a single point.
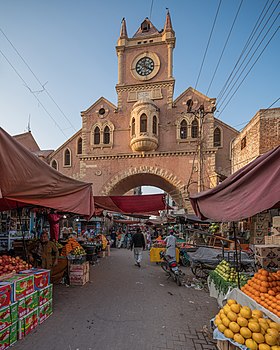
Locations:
(145, 66)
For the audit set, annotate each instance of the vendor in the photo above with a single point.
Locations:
(44, 253)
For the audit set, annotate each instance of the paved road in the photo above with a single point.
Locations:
(125, 308)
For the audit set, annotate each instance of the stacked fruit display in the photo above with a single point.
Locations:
(248, 327)
(71, 246)
(10, 264)
(227, 272)
(78, 251)
(264, 288)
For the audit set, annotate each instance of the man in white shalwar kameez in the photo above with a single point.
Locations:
(170, 241)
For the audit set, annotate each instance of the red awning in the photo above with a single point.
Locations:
(150, 204)
(250, 190)
(27, 180)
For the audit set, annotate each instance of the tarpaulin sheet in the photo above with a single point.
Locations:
(27, 180)
(250, 190)
(132, 204)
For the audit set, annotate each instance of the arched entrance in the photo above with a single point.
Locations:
(147, 176)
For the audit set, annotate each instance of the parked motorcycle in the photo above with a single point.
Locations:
(170, 266)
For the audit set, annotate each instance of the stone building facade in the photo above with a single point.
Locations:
(259, 136)
(149, 137)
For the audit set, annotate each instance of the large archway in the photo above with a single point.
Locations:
(147, 176)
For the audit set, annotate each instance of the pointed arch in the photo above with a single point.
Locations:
(133, 127)
(194, 129)
(79, 145)
(54, 164)
(106, 135)
(217, 137)
(143, 123)
(96, 135)
(155, 125)
(67, 157)
(183, 129)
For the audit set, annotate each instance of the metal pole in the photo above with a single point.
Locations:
(236, 254)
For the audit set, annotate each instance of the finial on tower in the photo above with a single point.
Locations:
(168, 24)
(123, 33)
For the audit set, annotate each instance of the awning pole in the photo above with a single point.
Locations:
(236, 254)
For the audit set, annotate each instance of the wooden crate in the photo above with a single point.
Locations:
(226, 345)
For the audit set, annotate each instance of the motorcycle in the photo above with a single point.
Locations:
(170, 266)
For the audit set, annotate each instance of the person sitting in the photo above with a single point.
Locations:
(44, 253)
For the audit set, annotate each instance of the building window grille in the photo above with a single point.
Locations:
(183, 130)
(143, 123)
(106, 135)
(54, 164)
(96, 136)
(217, 137)
(80, 146)
(154, 125)
(195, 129)
(67, 158)
(243, 142)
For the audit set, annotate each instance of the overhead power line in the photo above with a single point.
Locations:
(33, 93)
(225, 45)
(208, 43)
(249, 71)
(37, 79)
(235, 70)
(273, 103)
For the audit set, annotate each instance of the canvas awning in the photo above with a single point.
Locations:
(27, 180)
(150, 204)
(251, 190)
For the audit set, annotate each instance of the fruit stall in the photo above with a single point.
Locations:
(223, 279)
(158, 247)
(25, 303)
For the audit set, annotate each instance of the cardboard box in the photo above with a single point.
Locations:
(5, 294)
(21, 308)
(41, 277)
(14, 312)
(108, 251)
(28, 323)
(79, 280)
(276, 221)
(267, 262)
(45, 294)
(267, 251)
(83, 268)
(22, 285)
(5, 317)
(5, 338)
(31, 302)
(45, 311)
(13, 333)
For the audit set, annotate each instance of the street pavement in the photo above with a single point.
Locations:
(125, 308)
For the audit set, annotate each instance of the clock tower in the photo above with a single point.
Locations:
(145, 65)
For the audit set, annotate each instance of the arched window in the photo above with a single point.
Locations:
(106, 135)
(54, 164)
(133, 127)
(79, 146)
(217, 137)
(96, 136)
(143, 123)
(194, 129)
(154, 125)
(67, 157)
(183, 129)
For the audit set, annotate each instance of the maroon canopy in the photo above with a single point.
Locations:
(132, 204)
(250, 190)
(27, 180)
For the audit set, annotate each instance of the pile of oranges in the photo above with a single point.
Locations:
(264, 288)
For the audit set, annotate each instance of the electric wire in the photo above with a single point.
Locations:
(32, 92)
(208, 43)
(151, 9)
(225, 45)
(233, 94)
(233, 74)
(273, 103)
(37, 79)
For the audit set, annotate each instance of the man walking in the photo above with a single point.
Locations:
(138, 243)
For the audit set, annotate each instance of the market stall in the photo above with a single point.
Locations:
(157, 247)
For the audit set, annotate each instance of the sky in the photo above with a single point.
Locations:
(70, 47)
